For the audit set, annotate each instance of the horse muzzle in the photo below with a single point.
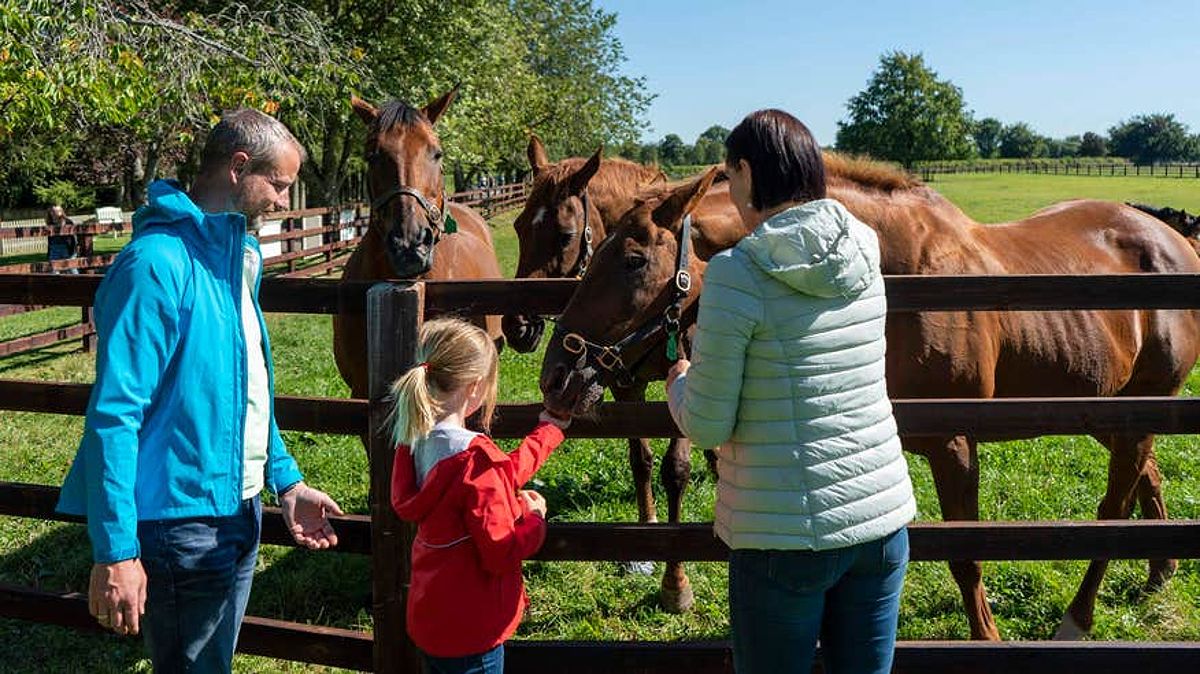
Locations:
(567, 390)
(522, 332)
(411, 259)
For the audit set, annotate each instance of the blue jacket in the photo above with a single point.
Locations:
(163, 434)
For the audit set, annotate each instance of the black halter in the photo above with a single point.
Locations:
(613, 358)
(585, 249)
(435, 214)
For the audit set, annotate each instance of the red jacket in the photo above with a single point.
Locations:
(466, 594)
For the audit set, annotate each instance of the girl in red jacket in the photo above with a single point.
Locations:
(474, 523)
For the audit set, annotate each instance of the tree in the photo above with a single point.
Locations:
(716, 133)
(708, 151)
(1019, 141)
(672, 150)
(906, 114)
(1147, 139)
(160, 76)
(986, 133)
(1093, 145)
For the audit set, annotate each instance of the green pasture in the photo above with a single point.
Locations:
(1048, 478)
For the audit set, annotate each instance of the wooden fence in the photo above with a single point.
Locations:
(310, 242)
(1052, 167)
(394, 313)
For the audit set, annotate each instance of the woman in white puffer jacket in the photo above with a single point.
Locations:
(788, 383)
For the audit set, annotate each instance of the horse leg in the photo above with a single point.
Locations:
(641, 463)
(675, 472)
(1127, 458)
(955, 467)
(1150, 498)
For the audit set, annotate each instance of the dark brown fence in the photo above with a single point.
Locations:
(395, 311)
(1057, 167)
(306, 252)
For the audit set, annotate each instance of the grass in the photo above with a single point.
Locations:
(1047, 478)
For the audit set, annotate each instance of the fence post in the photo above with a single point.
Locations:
(289, 244)
(394, 314)
(89, 338)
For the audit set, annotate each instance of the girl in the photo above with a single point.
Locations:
(474, 524)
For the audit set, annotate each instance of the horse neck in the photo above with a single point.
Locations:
(912, 225)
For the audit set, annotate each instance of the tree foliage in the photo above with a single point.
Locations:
(907, 114)
(1147, 139)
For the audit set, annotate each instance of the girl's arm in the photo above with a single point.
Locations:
(536, 448)
(503, 539)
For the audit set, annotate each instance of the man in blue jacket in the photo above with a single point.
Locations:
(180, 435)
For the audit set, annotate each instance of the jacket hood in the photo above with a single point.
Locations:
(168, 205)
(817, 248)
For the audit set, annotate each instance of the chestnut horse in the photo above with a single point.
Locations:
(409, 236)
(573, 205)
(959, 354)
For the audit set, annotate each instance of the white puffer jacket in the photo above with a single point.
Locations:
(787, 381)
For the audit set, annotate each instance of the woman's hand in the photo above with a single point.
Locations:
(679, 368)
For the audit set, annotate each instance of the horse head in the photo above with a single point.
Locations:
(404, 176)
(556, 231)
(633, 300)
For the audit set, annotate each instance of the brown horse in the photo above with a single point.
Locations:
(962, 354)
(1181, 221)
(573, 205)
(408, 237)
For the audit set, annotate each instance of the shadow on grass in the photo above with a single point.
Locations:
(59, 561)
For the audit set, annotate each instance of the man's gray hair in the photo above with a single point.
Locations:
(247, 130)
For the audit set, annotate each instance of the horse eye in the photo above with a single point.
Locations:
(634, 262)
(437, 155)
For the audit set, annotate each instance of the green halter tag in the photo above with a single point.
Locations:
(673, 347)
(450, 226)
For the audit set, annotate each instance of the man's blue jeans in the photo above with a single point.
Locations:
(198, 582)
(781, 601)
(488, 662)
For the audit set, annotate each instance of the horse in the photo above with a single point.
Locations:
(410, 235)
(1180, 220)
(572, 206)
(958, 354)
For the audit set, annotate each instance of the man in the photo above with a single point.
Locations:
(180, 435)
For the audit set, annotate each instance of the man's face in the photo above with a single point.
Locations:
(266, 190)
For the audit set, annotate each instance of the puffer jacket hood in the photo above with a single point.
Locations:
(818, 248)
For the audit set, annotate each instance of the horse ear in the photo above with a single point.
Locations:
(365, 111)
(537, 154)
(684, 199)
(581, 178)
(435, 109)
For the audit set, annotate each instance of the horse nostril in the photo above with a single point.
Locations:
(427, 239)
(556, 383)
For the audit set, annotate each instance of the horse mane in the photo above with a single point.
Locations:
(868, 173)
(1178, 219)
(398, 113)
(616, 175)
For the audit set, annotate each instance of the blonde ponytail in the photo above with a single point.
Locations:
(452, 354)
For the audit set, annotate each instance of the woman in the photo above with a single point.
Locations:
(788, 382)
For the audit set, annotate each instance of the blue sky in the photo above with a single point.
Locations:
(1063, 66)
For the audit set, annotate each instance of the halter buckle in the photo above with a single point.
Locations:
(683, 280)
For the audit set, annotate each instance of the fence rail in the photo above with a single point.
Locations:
(380, 536)
(1167, 170)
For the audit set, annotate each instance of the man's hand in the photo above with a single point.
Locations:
(306, 514)
(679, 368)
(534, 502)
(117, 595)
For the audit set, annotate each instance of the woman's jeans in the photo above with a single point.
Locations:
(198, 573)
(782, 601)
(488, 662)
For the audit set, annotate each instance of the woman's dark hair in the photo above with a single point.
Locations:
(785, 160)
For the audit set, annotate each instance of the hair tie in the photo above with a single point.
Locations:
(423, 364)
